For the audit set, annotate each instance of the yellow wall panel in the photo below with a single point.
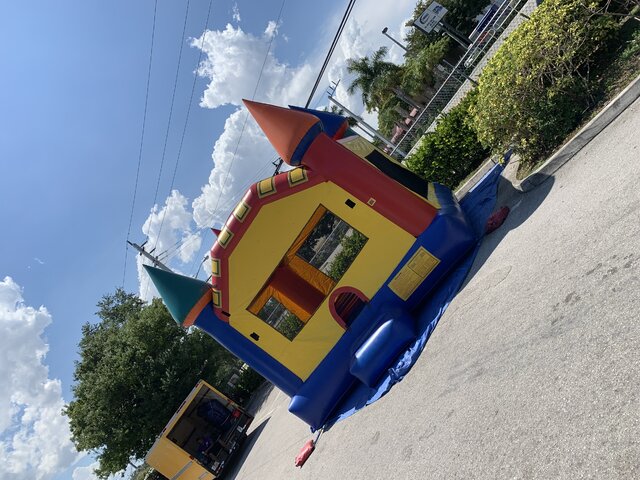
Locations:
(266, 242)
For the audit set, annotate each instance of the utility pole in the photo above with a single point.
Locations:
(372, 131)
(156, 263)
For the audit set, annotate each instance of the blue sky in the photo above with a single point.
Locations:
(72, 99)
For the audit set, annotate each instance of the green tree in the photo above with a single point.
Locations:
(248, 382)
(374, 77)
(536, 88)
(289, 326)
(452, 151)
(613, 8)
(388, 116)
(418, 69)
(136, 366)
(461, 15)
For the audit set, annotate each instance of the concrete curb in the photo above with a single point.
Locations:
(480, 173)
(608, 114)
(488, 164)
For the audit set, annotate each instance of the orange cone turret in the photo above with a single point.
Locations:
(291, 132)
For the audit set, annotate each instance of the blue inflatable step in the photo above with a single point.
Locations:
(377, 353)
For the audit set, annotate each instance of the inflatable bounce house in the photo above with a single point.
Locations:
(318, 270)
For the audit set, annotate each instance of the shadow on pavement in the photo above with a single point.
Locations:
(522, 206)
(259, 397)
(238, 460)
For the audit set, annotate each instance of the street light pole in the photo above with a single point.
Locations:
(384, 32)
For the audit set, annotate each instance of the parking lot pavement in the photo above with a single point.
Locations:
(534, 370)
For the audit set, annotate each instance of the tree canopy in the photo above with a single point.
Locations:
(374, 78)
(385, 86)
(536, 88)
(461, 14)
(136, 367)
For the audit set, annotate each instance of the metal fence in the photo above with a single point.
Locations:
(462, 76)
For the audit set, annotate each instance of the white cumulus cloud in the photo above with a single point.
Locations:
(235, 13)
(272, 29)
(169, 236)
(236, 59)
(236, 166)
(85, 473)
(242, 155)
(35, 439)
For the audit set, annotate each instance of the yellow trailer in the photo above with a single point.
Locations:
(201, 437)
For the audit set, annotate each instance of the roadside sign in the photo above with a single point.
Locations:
(430, 18)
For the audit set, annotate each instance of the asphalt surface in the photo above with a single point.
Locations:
(534, 370)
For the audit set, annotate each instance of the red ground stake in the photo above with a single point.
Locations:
(496, 219)
(305, 453)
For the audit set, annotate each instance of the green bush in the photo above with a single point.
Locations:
(632, 47)
(538, 86)
(418, 69)
(450, 153)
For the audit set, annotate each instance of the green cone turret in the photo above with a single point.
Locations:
(179, 293)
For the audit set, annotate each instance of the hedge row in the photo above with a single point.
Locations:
(532, 94)
(539, 85)
(451, 152)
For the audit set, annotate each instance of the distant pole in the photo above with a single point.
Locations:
(278, 165)
(384, 32)
(332, 89)
(156, 263)
(369, 128)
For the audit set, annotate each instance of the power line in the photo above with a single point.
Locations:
(144, 121)
(173, 98)
(186, 121)
(244, 124)
(175, 248)
(334, 43)
(182, 243)
(246, 117)
(332, 47)
(178, 246)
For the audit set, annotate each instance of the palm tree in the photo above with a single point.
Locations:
(374, 78)
(339, 111)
